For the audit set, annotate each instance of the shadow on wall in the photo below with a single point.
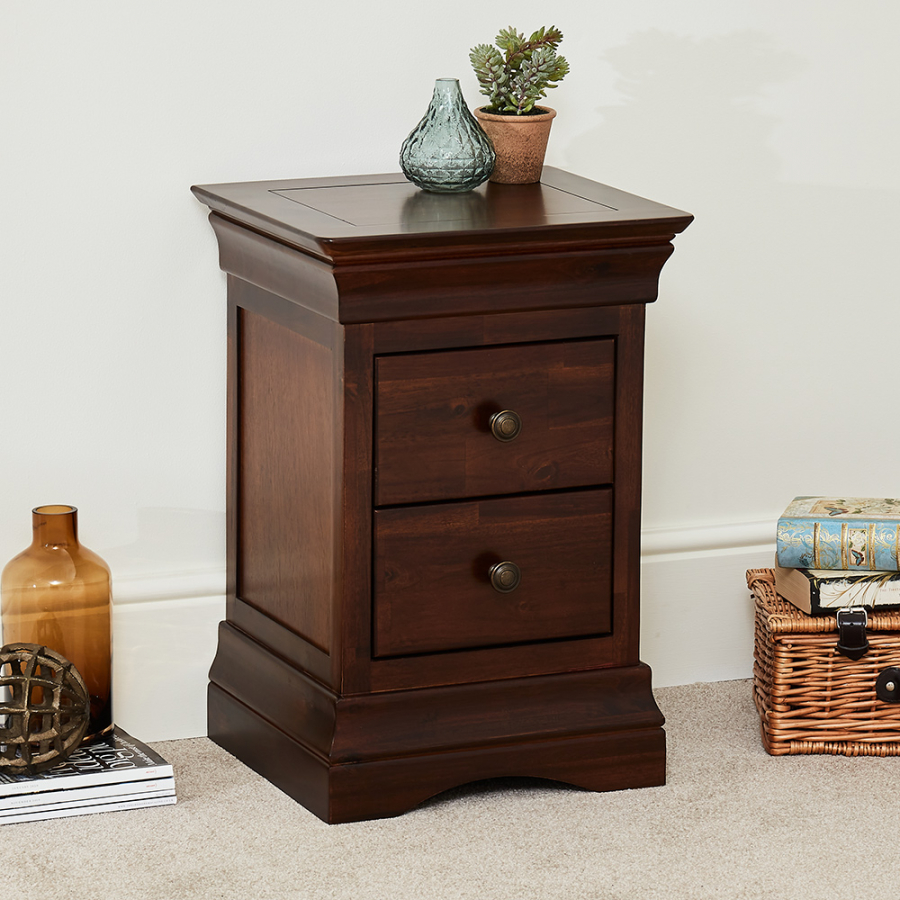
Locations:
(691, 112)
(776, 279)
(178, 553)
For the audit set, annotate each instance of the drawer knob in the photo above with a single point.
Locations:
(505, 577)
(506, 425)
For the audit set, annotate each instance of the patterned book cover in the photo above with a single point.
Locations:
(840, 533)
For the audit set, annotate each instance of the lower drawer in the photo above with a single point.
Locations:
(440, 582)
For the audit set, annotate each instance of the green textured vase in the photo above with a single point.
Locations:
(447, 152)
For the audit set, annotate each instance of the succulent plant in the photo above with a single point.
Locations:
(519, 73)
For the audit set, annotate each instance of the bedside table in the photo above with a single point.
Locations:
(434, 462)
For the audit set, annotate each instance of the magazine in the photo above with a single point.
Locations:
(112, 805)
(113, 759)
(97, 793)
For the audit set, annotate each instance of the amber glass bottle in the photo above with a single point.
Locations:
(59, 594)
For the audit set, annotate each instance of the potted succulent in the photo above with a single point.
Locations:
(514, 75)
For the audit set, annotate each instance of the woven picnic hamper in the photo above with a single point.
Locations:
(810, 698)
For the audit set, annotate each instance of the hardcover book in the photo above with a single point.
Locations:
(823, 591)
(849, 533)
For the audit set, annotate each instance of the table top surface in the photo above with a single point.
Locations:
(343, 216)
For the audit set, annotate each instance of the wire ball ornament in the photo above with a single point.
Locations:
(44, 709)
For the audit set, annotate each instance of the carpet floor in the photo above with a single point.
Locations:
(732, 822)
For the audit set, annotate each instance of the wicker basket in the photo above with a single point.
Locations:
(810, 698)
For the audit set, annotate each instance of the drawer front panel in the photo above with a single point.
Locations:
(433, 425)
(433, 588)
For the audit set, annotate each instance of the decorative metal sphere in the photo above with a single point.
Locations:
(47, 712)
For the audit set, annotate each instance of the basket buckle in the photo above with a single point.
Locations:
(887, 687)
(852, 640)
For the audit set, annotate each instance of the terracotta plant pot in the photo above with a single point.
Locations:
(520, 143)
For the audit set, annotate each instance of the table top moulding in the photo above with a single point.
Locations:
(348, 219)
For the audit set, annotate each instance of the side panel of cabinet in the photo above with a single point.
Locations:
(627, 510)
(284, 476)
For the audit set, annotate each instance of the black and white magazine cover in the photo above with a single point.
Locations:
(116, 758)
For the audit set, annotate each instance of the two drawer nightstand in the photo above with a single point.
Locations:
(434, 465)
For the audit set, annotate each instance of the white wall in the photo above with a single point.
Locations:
(771, 353)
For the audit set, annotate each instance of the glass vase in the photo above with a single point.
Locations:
(447, 152)
(58, 594)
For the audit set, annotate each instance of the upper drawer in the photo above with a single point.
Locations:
(434, 437)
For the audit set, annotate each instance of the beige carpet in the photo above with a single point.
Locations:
(731, 823)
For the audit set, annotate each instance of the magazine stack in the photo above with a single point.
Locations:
(836, 553)
(112, 773)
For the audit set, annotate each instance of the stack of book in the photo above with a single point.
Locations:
(834, 552)
(116, 772)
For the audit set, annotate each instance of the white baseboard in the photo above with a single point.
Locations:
(162, 651)
(697, 625)
(705, 538)
(697, 615)
(696, 610)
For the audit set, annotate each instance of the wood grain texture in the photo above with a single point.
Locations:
(432, 572)
(485, 663)
(596, 762)
(258, 261)
(232, 432)
(371, 291)
(266, 749)
(392, 252)
(496, 328)
(433, 438)
(493, 713)
(350, 792)
(279, 691)
(280, 641)
(354, 579)
(358, 727)
(286, 540)
(366, 662)
(627, 517)
(494, 219)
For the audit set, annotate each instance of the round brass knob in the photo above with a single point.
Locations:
(505, 577)
(506, 425)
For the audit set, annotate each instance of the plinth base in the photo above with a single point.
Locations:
(377, 755)
(353, 792)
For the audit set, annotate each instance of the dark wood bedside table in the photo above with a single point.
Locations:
(434, 465)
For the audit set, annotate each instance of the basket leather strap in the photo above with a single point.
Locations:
(852, 640)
